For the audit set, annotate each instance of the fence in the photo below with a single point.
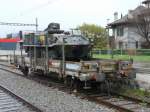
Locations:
(145, 52)
(6, 54)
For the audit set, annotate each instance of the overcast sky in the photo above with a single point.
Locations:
(69, 13)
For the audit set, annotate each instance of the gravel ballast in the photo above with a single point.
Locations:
(47, 98)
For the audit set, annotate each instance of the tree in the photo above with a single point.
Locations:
(97, 33)
(142, 23)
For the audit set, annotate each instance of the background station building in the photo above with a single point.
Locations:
(9, 43)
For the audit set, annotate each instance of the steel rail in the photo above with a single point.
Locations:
(109, 104)
(31, 106)
(132, 98)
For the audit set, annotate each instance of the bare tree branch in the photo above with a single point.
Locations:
(142, 23)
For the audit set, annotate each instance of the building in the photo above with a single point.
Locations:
(125, 31)
(9, 43)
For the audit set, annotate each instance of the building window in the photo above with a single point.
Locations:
(120, 45)
(113, 32)
(120, 31)
(137, 44)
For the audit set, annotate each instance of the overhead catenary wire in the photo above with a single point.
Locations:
(29, 11)
(37, 7)
(17, 24)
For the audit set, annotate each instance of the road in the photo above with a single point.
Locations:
(143, 74)
(143, 80)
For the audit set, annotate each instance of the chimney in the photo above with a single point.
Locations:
(147, 3)
(115, 16)
(130, 15)
(121, 16)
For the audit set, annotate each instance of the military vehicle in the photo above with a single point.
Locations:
(76, 46)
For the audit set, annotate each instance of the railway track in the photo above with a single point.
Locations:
(9, 102)
(119, 102)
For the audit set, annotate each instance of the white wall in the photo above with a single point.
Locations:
(11, 52)
(123, 38)
(129, 38)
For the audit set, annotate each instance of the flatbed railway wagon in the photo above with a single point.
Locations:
(73, 69)
(85, 72)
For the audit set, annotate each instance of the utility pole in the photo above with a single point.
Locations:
(23, 24)
(110, 41)
(14, 57)
(21, 46)
(63, 58)
(112, 46)
(46, 54)
(36, 25)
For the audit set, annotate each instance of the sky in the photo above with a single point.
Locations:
(69, 13)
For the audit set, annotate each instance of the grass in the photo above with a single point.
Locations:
(140, 58)
(137, 93)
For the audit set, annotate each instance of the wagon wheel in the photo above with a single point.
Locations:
(108, 86)
(67, 81)
(77, 84)
(25, 71)
(105, 87)
(133, 84)
(73, 83)
(132, 74)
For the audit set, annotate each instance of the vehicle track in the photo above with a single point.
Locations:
(119, 102)
(10, 102)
